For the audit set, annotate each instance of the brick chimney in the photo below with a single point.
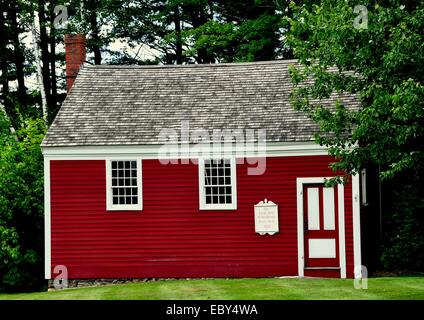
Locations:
(74, 56)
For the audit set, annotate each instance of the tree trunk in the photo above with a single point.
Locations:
(45, 59)
(95, 37)
(53, 109)
(92, 6)
(198, 17)
(267, 52)
(5, 94)
(178, 40)
(18, 56)
(39, 71)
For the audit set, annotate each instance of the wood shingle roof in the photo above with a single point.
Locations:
(129, 105)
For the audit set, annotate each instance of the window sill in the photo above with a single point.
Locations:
(124, 208)
(218, 207)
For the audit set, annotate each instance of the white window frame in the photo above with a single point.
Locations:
(109, 198)
(202, 194)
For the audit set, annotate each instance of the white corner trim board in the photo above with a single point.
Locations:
(356, 219)
(47, 221)
(341, 224)
(300, 239)
(342, 234)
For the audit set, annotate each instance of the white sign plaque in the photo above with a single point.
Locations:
(266, 217)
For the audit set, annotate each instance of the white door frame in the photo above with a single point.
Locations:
(341, 217)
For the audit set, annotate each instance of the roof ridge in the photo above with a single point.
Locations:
(204, 65)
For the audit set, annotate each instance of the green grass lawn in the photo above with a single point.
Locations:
(233, 289)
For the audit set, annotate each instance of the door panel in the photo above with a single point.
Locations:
(322, 248)
(313, 208)
(329, 209)
(320, 226)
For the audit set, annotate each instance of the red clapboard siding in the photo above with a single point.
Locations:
(349, 231)
(171, 237)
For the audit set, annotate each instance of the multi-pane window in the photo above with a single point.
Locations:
(124, 184)
(217, 184)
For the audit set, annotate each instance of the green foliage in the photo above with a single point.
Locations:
(209, 31)
(16, 61)
(215, 38)
(241, 31)
(251, 40)
(382, 65)
(404, 243)
(21, 205)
